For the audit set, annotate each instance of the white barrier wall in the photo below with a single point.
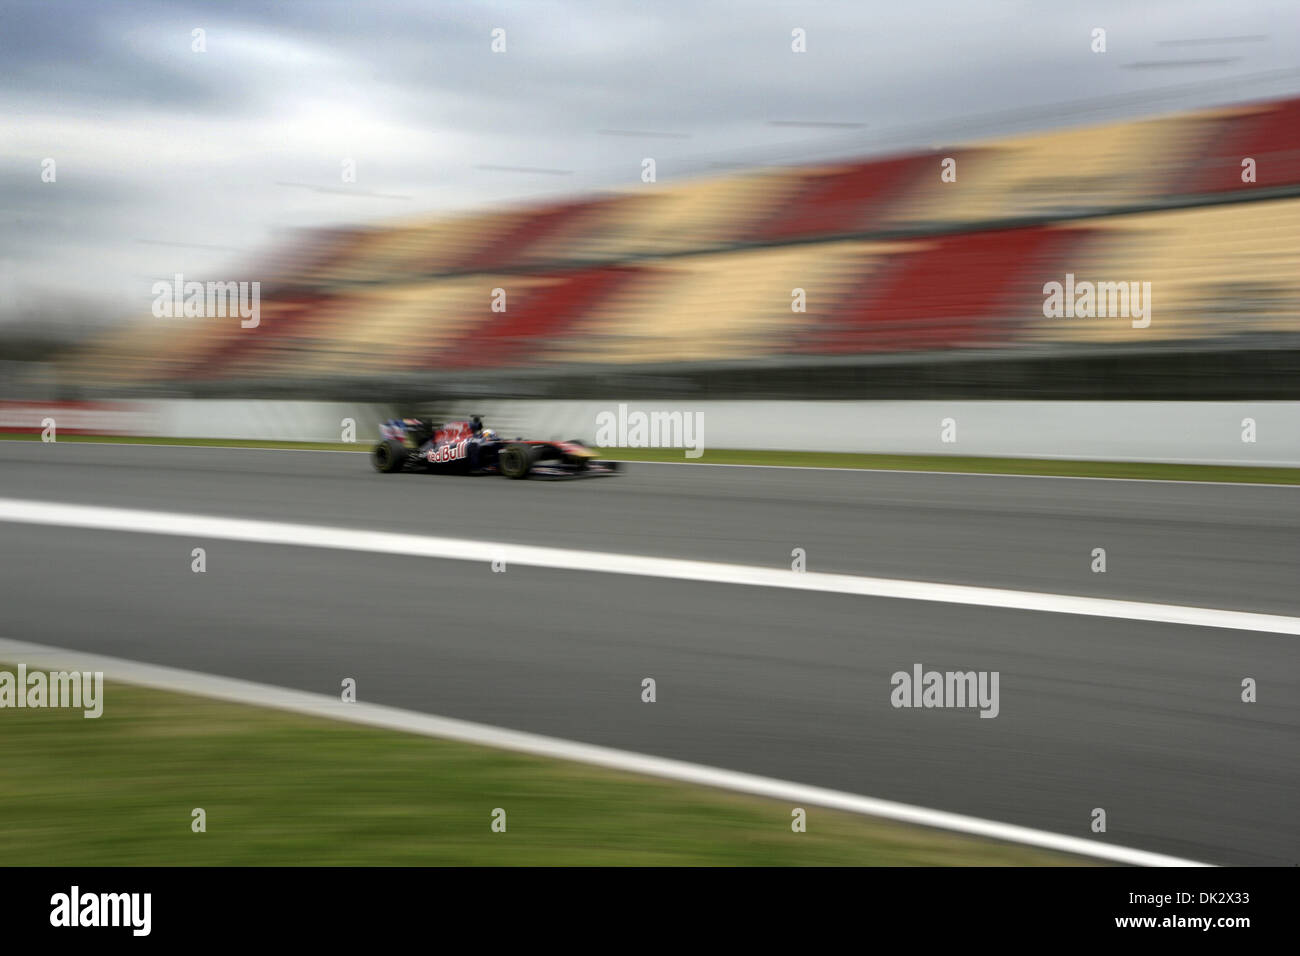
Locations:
(269, 420)
(1200, 432)
(199, 418)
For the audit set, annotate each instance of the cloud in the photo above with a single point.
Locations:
(168, 158)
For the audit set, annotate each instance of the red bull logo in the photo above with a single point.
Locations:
(445, 453)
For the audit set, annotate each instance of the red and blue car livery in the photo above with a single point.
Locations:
(467, 448)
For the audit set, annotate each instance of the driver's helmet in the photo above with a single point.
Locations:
(487, 434)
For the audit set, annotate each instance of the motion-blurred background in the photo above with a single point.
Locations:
(798, 238)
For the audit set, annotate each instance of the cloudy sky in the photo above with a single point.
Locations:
(172, 160)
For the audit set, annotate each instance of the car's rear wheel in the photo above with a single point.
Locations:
(515, 461)
(389, 456)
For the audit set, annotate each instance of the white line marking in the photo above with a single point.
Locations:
(1089, 459)
(460, 549)
(393, 718)
(361, 446)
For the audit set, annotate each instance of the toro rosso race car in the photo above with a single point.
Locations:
(467, 448)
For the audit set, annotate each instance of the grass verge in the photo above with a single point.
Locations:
(985, 466)
(286, 789)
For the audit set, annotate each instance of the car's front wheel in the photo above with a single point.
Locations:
(515, 461)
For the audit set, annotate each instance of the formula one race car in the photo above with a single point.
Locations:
(467, 448)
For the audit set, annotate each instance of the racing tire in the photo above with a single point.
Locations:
(516, 461)
(389, 456)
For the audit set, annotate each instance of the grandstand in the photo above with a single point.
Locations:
(856, 263)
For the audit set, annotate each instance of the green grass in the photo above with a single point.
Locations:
(286, 789)
(1246, 474)
(989, 466)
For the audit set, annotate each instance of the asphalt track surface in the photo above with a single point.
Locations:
(1142, 719)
